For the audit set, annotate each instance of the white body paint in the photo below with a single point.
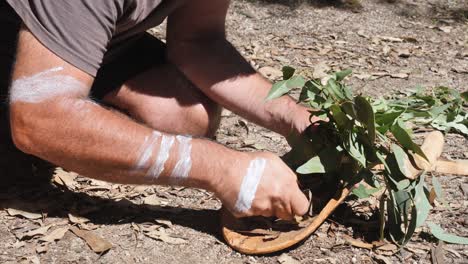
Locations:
(184, 165)
(249, 185)
(164, 149)
(43, 86)
(146, 150)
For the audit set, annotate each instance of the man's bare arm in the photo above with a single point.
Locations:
(197, 45)
(52, 118)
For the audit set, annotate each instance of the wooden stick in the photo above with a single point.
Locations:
(457, 167)
(432, 147)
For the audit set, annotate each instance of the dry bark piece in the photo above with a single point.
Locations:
(57, 234)
(28, 215)
(256, 244)
(458, 167)
(95, 242)
(432, 147)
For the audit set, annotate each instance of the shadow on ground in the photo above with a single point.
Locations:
(44, 197)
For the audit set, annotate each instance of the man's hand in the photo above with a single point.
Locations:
(277, 193)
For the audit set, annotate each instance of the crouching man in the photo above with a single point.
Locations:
(72, 54)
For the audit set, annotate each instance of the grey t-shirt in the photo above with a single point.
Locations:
(87, 33)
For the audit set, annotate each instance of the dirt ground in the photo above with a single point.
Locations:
(390, 46)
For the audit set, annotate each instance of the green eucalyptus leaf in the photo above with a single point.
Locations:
(400, 133)
(440, 234)
(339, 76)
(464, 95)
(334, 89)
(288, 72)
(279, 89)
(411, 227)
(347, 92)
(403, 184)
(314, 165)
(295, 82)
(340, 117)
(349, 109)
(394, 222)
(362, 192)
(402, 159)
(421, 202)
(365, 115)
(355, 148)
(402, 200)
(438, 190)
(326, 161)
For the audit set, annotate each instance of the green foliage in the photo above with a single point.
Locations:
(439, 233)
(362, 132)
(441, 108)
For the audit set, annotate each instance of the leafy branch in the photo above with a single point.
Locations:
(361, 133)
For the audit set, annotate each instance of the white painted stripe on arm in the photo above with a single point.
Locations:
(184, 165)
(250, 184)
(146, 150)
(164, 149)
(43, 86)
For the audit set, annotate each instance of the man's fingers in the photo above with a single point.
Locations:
(299, 203)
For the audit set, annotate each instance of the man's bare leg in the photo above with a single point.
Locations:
(163, 99)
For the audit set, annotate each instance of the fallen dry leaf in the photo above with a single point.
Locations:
(388, 247)
(28, 215)
(445, 29)
(357, 243)
(400, 75)
(65, 178)
(77, 219)
(437, 253)
(33, 233)
(286, 259)
(95, 242)
(153, 200)
(165, 223)
(390, 39)
(161, 235)
(57, 234)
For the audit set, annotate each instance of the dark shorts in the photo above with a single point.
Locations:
(144, 52)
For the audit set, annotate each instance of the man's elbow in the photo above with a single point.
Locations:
(31, 125)
(22, 128)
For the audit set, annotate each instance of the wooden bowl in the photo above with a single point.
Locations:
(246, 238)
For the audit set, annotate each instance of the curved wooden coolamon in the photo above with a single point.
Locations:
(233, 230)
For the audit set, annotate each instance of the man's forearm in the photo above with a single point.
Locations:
(224, 75)
(84, 137)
